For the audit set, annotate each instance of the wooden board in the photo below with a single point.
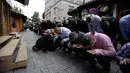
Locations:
(21, 60)
(22, 54)
(8, 49)
(4, 38)
(6, 64)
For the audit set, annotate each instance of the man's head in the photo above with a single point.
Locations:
(73, 37)
(89, 40)
(48, 31)
(59, 25)
(57, 30)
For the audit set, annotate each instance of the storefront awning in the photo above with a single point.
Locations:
(91, 4)
(124, 4)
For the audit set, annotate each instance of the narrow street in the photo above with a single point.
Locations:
(92, 30)
(52, 62)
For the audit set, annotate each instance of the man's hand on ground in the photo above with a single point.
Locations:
(79, 46)
(91, 51)
(74, 46)
(125, 61)
(62, 42)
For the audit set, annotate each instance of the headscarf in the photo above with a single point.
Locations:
(94, 11)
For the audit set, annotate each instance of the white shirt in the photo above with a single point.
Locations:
(65, 33)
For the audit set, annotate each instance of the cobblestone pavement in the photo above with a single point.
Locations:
(53, 62)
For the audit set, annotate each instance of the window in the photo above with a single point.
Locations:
(55, 10)
(78, 2)
(71, 8)
(55, 1)
(49, 14)
(55, 18)
(59, 18)
(62, 9)
(64, 18)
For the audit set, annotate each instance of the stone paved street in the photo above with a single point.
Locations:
(52, 62)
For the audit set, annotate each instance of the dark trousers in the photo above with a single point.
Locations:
(65, 45)
(76, 50)
(125, 68)
(104, 61)
(58, 43)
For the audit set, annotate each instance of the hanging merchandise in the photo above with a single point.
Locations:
(104, 8)
(84, 14)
